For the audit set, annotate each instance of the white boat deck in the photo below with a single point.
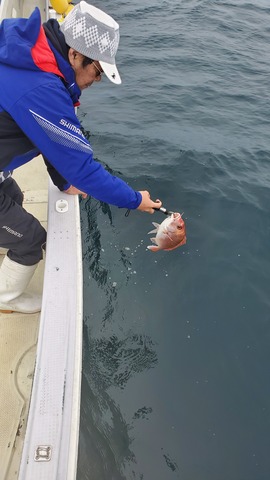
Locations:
(18, 338)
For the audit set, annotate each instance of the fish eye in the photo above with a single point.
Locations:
(179, 227)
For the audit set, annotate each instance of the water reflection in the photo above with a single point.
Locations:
(113, 355)
(116, 360)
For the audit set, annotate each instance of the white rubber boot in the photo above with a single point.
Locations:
(14, 279)
(3, 251)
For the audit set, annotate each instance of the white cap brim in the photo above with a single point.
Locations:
(111, 72)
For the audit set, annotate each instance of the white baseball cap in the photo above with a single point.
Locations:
(94, 34)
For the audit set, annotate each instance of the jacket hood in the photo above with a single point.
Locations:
(23, 45)
(27, 45)
(18, 36)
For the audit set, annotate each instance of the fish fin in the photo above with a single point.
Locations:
(156, 224)
(153, 248)
(153, 240)
(153, 231)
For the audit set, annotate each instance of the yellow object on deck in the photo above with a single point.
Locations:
(62, 6)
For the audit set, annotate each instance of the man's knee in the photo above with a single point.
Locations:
(30, 250)
(12, 189)
(20, 231)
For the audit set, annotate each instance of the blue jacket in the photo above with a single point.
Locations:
(37, 97)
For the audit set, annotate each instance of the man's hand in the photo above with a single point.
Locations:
(147, 205)
(74, 191)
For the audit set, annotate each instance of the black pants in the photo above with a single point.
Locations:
(20, 232)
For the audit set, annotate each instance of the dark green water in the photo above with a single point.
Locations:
(176, 344)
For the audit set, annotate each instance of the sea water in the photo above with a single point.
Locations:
(176, 344)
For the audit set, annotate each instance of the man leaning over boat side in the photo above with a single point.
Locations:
(43, 69)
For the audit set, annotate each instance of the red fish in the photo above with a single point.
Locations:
(170, 234)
